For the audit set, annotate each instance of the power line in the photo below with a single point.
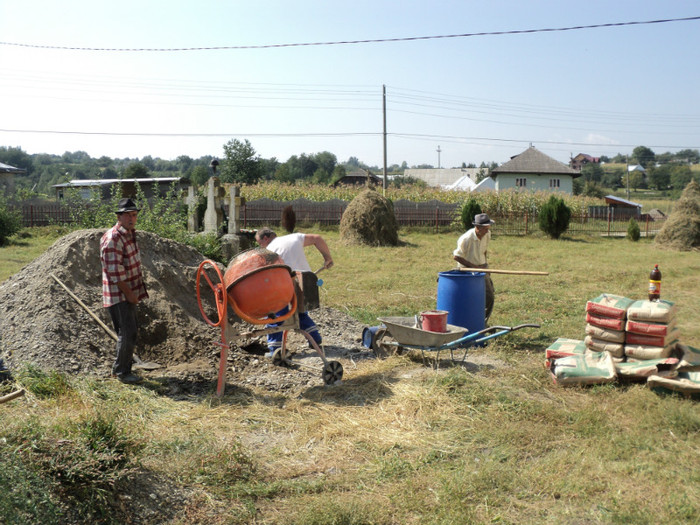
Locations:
(351, 42)
(416, 136)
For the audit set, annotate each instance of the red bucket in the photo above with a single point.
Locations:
(434, 320)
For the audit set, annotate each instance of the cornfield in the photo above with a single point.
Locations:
(496, 203)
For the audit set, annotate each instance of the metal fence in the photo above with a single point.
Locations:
(43, 214)
(433, 214)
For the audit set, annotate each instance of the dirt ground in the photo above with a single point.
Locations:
(40, 323)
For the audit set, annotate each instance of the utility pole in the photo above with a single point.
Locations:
(627, 175)
(438, 152)
(384, 114)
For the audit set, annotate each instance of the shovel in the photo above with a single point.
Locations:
(139, 364)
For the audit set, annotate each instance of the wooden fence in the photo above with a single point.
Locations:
(433, 214)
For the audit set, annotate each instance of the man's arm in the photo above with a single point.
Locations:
(131, 297)
(321, 246)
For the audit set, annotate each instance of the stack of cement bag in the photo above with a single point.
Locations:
(606, 316)
(627, 339)
(650, 330)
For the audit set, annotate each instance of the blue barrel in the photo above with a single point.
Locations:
(463, 295)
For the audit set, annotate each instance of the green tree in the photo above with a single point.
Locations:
(10, 221)
(633, 232)
(680, 177)
(691, 156)
(470, 208)
(660, 177)
(242, 164)
(613, 179)
(592, 172)
(136, 170)
(593, 189)
(554, 217)
(644, 155)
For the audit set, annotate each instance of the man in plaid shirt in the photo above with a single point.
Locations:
(122, 285)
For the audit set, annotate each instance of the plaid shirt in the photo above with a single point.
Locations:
(121, 261)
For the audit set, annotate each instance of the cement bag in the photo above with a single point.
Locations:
(645, 328)
(653, 311)
(689, 358)
(632, 369)
(652, 340)
(608, 305)
(584, 369)
(649, 352)
(563, 347)
(613, 336)
(605, 322)
(687, 383)
(598, 345)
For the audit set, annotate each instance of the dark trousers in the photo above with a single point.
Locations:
(124, 320)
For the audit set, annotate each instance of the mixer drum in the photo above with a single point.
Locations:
(259, 284)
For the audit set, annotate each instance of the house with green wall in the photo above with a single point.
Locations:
(532, 170)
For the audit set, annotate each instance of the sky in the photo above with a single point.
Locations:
(467, 81)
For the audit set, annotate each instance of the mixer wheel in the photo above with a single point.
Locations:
(332, 372)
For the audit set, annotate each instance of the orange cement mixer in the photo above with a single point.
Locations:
(257, 284)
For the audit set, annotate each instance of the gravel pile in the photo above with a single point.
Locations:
(40, 323)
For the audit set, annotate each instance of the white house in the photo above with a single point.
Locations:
(533, 170)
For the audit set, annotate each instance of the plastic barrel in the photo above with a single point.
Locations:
(463, 295)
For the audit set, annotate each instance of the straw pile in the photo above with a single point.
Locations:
(369, 219)
(682, 228)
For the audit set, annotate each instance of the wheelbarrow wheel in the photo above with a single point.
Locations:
(384, 345)
(332, 372)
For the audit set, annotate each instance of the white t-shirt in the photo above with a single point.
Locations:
(291, 249)
(471, 248)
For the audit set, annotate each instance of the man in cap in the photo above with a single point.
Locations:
(291, 249)
(471, 253)
(122, 285)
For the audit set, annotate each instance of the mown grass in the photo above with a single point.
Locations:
(396, 442)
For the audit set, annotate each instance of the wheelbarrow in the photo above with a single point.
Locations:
(259, 287)
(397, 334)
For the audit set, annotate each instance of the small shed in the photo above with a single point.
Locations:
(617, 208)
(359, 178)
(7, 177)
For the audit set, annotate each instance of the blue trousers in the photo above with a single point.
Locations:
(274, 340)
(124, 320)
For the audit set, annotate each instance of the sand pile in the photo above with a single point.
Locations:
(42, 324)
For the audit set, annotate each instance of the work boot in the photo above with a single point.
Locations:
(130, 379)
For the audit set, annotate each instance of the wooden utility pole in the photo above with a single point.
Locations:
(384, 115)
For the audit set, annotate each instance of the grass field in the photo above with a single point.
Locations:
(396, 443)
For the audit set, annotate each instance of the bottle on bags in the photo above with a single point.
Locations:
(655, 284)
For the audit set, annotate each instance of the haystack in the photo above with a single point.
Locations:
(682, 229)
(369, 219)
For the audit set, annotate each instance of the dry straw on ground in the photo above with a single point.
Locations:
(369, 219)
(682, 228)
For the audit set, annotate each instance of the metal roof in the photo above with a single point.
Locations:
(78, 183)
(533, 161)
(611, 199)
(6, 168)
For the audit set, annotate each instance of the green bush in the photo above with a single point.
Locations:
(633, 233)
(554, 217)
(470, 208)
(10, 222)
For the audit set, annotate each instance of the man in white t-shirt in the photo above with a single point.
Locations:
(471, 253)
(291, 249)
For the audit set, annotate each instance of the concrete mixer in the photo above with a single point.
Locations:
(257, 284)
